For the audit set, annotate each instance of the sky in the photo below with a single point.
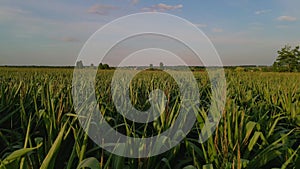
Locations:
(244, 32)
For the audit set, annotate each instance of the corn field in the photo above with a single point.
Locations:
(259, 128)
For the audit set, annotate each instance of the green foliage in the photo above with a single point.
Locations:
(13, 159)
(260, 126)
(239, 69)
(49, 161)
(288, 59)
(91, 162)
(103, 66)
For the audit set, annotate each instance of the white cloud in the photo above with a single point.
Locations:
(217, 30)
(25, 24)
(101, 9)
(286, 18)
(168, 7)
(200, 25)
(162, 7)
(7, 13)
(262, 11)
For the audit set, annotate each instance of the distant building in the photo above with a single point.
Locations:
(79, 64)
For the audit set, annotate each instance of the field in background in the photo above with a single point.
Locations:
(260, 126)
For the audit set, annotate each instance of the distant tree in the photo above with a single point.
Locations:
(288, 59)
(161, 65)
(79, 64)
(151, 66)
(105, 66)
(100, 66)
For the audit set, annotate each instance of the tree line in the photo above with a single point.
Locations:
(79, 64)
(288, 60)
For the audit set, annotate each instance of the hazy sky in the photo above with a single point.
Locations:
(52, 33)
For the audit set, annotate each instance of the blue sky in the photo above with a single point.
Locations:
(52, 33)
